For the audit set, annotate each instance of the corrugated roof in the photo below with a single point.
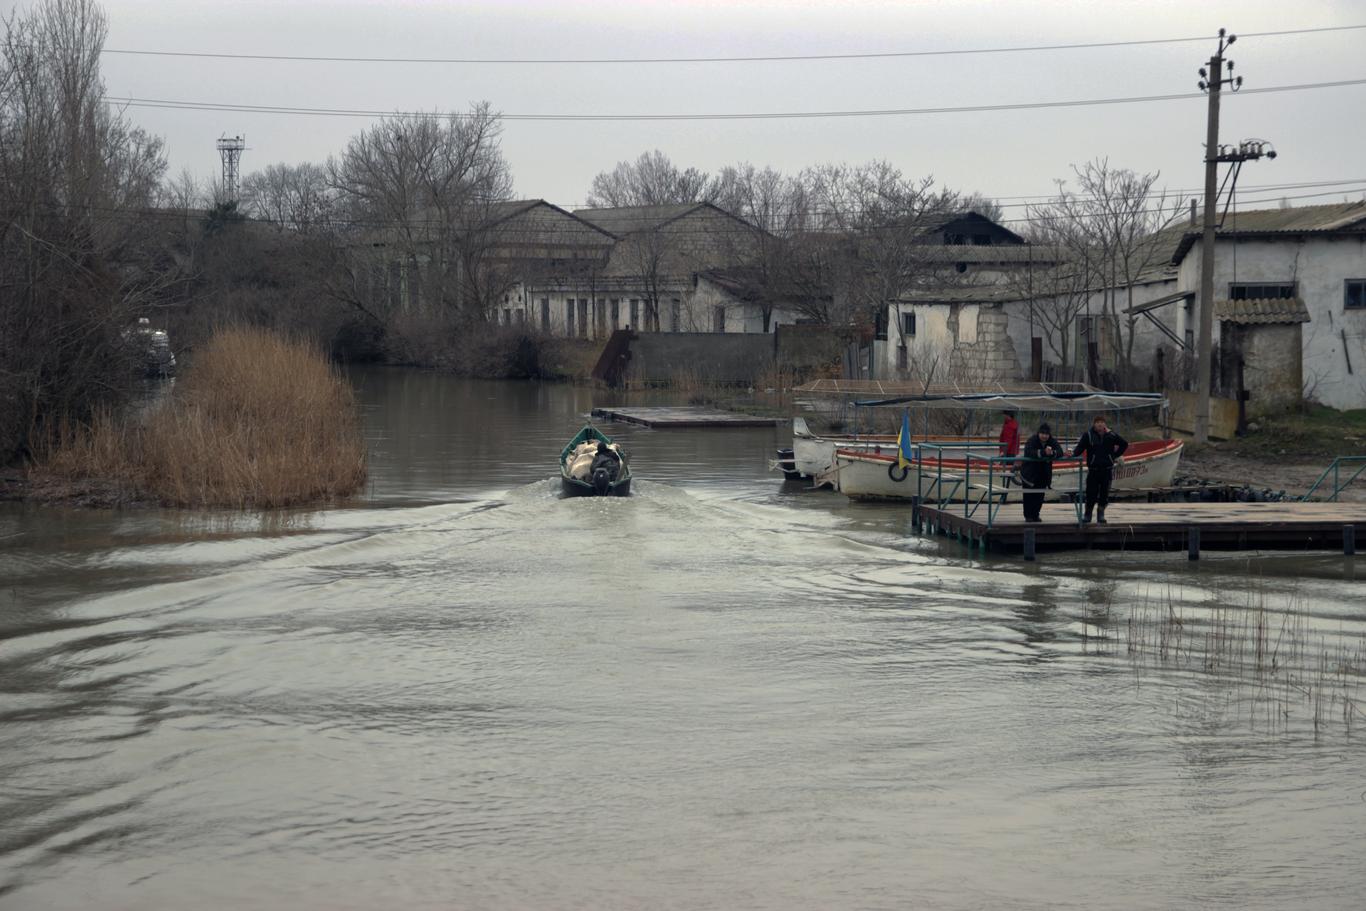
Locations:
(542, 219)
(1262, 311)
(629, 219)
(1342, 217)
(1295, 220)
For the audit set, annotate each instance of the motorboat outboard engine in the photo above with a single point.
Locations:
(606, 467)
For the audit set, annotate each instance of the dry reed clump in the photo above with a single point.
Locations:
(257, 420)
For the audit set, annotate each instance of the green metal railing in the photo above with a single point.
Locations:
(1336, 471)
(1000, 480)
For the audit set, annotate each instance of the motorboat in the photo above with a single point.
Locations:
(155, 357)
(591, 465)
(937, 476)
(813, 455)
(970, 470)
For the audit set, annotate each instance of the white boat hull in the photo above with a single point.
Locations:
(865, 476)
(813, 456)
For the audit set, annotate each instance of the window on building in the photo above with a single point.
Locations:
(583, 318)
(616, 312)
(635, 315)
(675, 314)
(600, 317)
(902, 357)
(545, 314)
(507, 316)
(1354, 297)
(1246, 291)
(908, 325)
(569, 317)
(718, 318)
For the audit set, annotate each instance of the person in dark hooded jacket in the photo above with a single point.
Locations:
(1103, 448)
(1036, 472)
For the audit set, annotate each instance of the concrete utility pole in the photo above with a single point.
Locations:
(1211, 82)
(1215, 155)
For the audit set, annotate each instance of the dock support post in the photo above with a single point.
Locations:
(1349, 540)
(1029, 545)
(915, 514)
(1193, 543)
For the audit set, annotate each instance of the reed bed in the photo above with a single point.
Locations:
(1268, 660)
(257, 421)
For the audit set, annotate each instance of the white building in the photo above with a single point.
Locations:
(1292, 261)
(1315, 255)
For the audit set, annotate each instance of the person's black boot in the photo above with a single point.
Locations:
(1100, 517)
(1086, 519)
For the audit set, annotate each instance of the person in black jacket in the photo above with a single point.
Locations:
(1103, 449)
(1036, 471)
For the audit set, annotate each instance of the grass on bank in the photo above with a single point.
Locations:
(1318, 432)
(256, 421)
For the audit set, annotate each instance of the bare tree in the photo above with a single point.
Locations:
(1130, 212)
(775, 208)
(650, 180)
(1059, 290)
(293, 197)
(77, 250)
(882, 223)
(419, 189)
(1108, 227)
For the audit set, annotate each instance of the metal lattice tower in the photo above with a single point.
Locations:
(230, 150)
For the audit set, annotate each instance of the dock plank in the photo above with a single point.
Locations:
(680, 416)
(1287, 525)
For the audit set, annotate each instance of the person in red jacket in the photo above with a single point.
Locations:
(1010, 435)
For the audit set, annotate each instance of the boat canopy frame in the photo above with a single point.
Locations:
(1067, 402)
(1072, 400)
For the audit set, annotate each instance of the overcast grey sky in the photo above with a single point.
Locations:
(1319, 134)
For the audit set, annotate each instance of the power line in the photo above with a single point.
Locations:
(774, 58)
(172, 104)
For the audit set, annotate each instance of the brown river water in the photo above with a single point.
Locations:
(721, 692)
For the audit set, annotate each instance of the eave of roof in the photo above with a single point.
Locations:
(1336, 219)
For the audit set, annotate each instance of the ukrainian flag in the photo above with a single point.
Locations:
(904, 456)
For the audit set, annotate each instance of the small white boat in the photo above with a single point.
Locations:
(865, 475)
(813, 455)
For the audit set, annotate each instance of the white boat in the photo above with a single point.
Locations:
(813, 455)
(862, 475)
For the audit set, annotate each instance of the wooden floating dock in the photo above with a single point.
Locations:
(680, 416)
(1287, 525)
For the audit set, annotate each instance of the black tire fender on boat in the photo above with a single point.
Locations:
(892, 469)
